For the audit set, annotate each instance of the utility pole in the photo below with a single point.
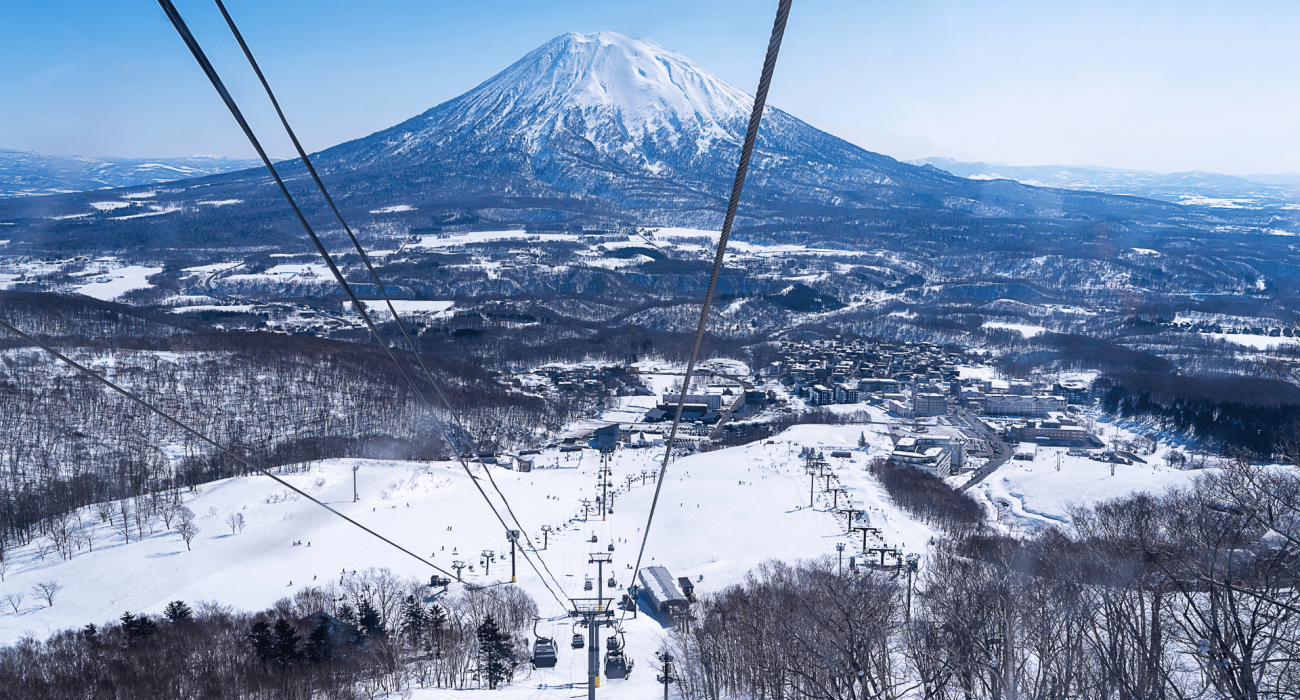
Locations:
(514, 537)
(355, 467)
(546, 530)
(458, 565)
(667, 676)
(488, 556)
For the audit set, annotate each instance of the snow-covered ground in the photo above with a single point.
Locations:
(114, 283)
(435, 309)
(1036, 494)
(1026, 330)
(1258, 342)
(720, 514)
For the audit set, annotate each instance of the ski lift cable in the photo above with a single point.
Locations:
(311, 169)
(746, 152)
(204, 438)
(219, 85)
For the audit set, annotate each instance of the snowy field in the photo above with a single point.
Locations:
(720, 514)
(1024, 329)
(1034, 494)
(114, 283)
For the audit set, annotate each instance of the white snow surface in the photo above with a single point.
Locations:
(1038, 495)
(720, 514)
(625, 91)
(113, 284)
(1026, 330)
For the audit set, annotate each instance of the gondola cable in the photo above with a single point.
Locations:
(311, 169)
(199, 55)
(204, 438)
(746, 152)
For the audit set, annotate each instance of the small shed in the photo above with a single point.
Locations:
(662, 591)
(524, 463)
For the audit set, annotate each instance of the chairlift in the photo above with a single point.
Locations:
(593, 537)
(612, 582)
(578, 641)
(586, 585)
(611, 546)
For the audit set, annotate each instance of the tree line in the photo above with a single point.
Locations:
(1183, 595)
(372, 634)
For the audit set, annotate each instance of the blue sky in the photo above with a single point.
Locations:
(1166, 86)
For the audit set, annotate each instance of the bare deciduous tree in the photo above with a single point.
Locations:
(185, 526)
(14, 600)
(47, 590)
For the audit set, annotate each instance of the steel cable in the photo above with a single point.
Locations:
(311, 169)
(219, 85)
(221, 448)
(746, 152)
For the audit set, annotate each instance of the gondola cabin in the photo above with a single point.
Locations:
(544, 655)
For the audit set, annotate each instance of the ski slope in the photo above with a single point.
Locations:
(719, 514)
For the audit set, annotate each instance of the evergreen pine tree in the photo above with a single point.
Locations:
(177, 611)
(259, 635)
(318, 646)
(862, 439)
(414, 618)
(137, 628)
(284, 650)
(346, 615)
(368, 620)
(495, 654)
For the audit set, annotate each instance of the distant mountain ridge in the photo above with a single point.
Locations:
(1185, 187)
(28, 174)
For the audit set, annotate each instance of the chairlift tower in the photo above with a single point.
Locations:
(667, 677)
(513, 536)
(488, 556)
(593, 614)
(355, 467)
(546, 530)
(911, 563)
(458, 565)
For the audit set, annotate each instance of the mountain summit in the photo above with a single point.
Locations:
(597, 131)
(606, 95)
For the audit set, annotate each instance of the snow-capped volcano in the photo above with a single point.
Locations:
(630, 103)
(619, 94)
(622, 120)
(596, 130)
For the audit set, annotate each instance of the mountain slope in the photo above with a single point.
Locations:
(25, 174)
(597, 131)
